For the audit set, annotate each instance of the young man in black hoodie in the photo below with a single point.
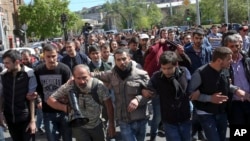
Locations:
(171, 83)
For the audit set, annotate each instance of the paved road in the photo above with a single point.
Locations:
(43, 137)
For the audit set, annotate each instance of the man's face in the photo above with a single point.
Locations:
(101, 42)
(215, 30)
(168, 69)
(9, 65)
(234, 46)
(70, 48)
(225, 63)
(133, 46)
(122, 60)
(50, 58)
(81, 77)
(187, 39)
(224, 29)
(164, 34)
(198, 40)
(95, 56)
(77, 44)
(143, 42)
(171, 36)
(105, 53)
(26, 59)
(114, 46)
(243, 32)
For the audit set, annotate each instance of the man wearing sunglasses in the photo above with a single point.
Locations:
(243, 31)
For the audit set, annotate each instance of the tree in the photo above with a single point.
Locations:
(133, 13)
(212, 11)
(43, 17)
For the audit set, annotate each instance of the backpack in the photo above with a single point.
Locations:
(93, 91)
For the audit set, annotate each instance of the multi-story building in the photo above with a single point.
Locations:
(8, 21)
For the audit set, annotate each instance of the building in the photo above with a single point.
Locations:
(8, 21)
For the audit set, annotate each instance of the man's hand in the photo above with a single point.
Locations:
(111, 130)
(39, 105)
(31, 96)
(32, 127)
(133, 105)
(242, 94)
(195, 95)
(218, 98)
(180, 49)
(71, 80)
(147, 93)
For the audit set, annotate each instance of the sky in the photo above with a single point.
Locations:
(76, 5)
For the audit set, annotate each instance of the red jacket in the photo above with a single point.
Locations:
(151, 61)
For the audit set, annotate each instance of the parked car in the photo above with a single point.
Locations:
(20, 49)
(111, 32)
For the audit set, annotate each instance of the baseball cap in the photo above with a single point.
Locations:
(144, 36)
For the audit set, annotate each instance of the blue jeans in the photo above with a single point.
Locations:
(134, 131)
(214, 126)
(1, 134)
(178, 132)
(39, 118)
(156, 116)
(57, 122)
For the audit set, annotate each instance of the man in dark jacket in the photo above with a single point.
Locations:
(73, 58)
(170, 84)
(18, 85)
(209, 88)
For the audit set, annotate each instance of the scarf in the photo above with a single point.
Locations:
(124, 73)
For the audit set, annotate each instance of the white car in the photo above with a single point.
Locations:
(20, 49)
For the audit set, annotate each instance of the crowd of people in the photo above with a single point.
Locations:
(196, 81)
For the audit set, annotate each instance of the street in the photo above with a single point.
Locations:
(43, 137)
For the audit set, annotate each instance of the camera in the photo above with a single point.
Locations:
(87, 28)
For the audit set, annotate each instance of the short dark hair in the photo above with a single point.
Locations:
(49, 47)
(168, 57)
(221, 53)
(134, 40)
(26, 51)
(121, 50)
(94, 48)
(12, 54)
(199, 32)
(105, 46)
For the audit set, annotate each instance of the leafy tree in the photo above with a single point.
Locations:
(212, 11)
(133, 13)
(43, 17)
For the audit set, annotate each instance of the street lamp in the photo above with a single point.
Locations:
(64, 20)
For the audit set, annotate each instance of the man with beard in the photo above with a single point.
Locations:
(17, 93)
(83, 84)
(199, 54)
(209, 88)
(239, 113)
(128, 82)
(50, 76)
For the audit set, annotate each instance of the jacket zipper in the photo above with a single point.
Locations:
(13, 100)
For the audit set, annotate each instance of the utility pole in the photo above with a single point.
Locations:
(248, 11)
(198, 13)
(171, 8)
(226, 11)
